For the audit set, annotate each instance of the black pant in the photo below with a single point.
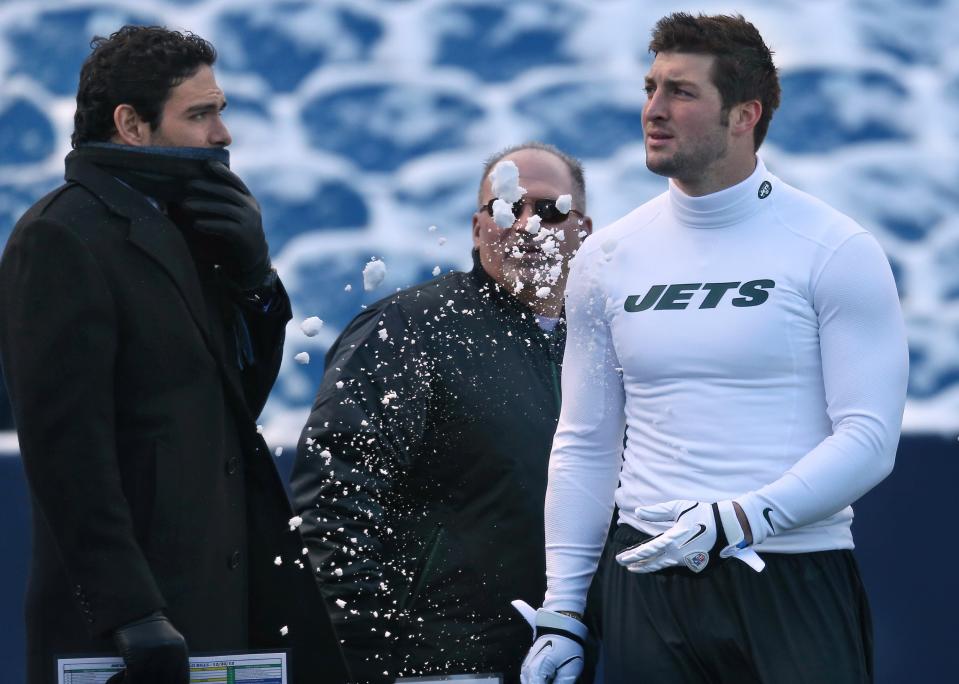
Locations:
(805, 618)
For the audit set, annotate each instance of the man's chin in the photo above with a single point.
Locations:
(661, 165)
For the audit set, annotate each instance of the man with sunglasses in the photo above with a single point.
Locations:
(749, 340)
(421, 472)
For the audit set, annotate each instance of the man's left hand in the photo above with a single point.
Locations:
(224, 208)
(702, 534)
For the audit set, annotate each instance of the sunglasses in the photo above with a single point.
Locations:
(544, 208)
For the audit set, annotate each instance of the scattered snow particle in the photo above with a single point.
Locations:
(383, 334)
(543, 292)
(339, 384)
(284, 630)
(504, 181)
(373, 274)
(341, 603)
(311, 326)
(338, 572)
(295, 522)
(326, 454)
(277, 561)
(582, 234)
(533, 224)
(387, 397)
(564, 203)
(259, 429)
(432, 229)
(278, 451)
(347, 288)
(560, 235)
(441, 241)
(302, 358)
(436, 271)
(503, 214)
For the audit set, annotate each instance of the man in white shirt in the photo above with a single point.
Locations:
(749, 340)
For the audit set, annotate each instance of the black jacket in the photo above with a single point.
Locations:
(421, 476)
(151, 488)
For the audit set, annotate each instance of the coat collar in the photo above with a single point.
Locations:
(150, 231)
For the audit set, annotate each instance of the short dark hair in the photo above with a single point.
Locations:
(743, 69)
(138, 66)
(572, 163)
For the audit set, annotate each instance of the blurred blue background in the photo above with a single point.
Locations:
(361, 123)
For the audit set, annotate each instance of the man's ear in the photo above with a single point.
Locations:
(476, 229)
(131, 128)
(745, 116)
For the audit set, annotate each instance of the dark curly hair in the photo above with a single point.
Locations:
(743, 69)
(138, 66)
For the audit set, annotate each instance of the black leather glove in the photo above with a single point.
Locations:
(224, 208)
(153, 651)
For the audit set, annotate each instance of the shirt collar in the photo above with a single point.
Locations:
(726, 207)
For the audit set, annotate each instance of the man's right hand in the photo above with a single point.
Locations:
(153, 651)
(556, 656)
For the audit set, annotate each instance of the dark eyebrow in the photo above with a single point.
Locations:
(675, 83)
(208, 107)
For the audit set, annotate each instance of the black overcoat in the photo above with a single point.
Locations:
(151, 486)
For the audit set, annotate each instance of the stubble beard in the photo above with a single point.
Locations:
(690, 165)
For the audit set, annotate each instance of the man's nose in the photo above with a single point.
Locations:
(655, 107)
(220, 134)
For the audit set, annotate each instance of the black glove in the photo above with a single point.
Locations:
(223, 207)
(153, 651)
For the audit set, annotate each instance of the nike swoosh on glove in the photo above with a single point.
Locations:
(702, 535)
(557, 653)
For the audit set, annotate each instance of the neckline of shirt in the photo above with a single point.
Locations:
(726, 207)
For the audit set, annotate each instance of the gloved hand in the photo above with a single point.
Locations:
(153, 651)
(703, 534)
(224, 208)
(557, 652)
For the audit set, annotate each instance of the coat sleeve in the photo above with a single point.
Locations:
(58, 342)
(260, 332)
(364, 430)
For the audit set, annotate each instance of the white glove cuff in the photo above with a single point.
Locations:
(547, 619)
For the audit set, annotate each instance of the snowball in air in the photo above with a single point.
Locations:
(564, 203)
(504, 181)
(311, 326)
(302, 357)
(503, 214)
(373, 274)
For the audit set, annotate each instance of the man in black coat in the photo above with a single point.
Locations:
(421, 473)
(141, 329)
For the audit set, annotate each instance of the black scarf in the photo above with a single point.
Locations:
(158, 172)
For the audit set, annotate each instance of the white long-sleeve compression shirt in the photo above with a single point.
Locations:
(751, 344)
